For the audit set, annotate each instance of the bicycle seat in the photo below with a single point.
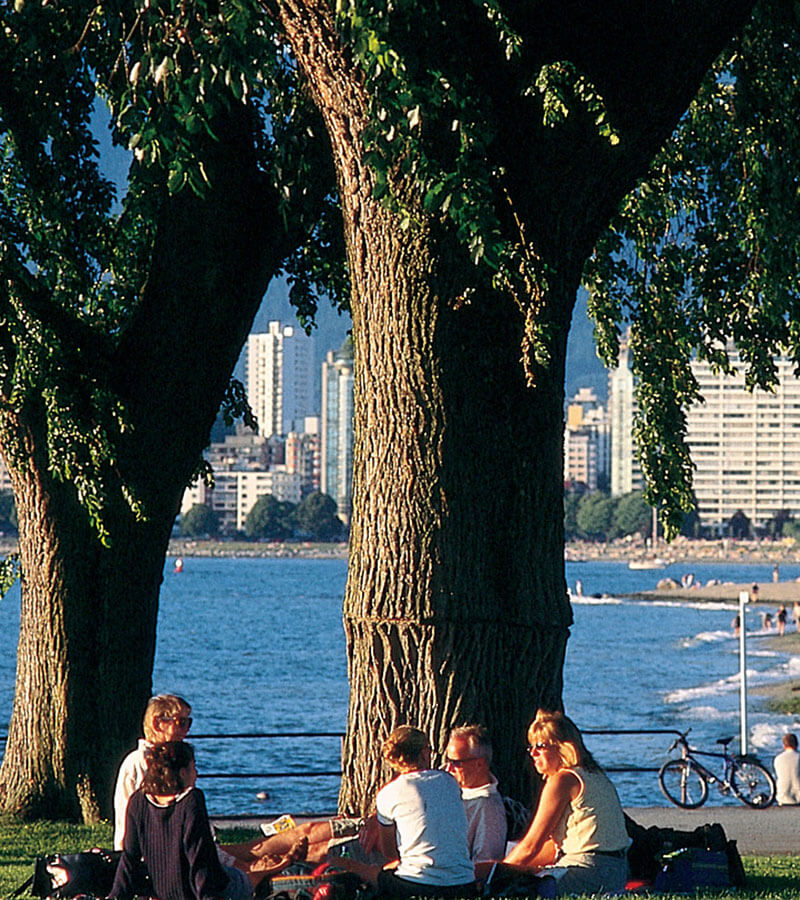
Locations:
(724, 741)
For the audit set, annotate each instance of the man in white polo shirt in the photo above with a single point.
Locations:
(468, 758)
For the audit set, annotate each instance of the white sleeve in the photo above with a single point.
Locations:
(127, 782)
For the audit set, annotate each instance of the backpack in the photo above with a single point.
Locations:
(654, 849)
(301, 882)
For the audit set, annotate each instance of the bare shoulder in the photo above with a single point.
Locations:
(565, 783)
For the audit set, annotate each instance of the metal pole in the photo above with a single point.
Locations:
(744, 596)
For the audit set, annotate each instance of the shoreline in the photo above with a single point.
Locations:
(681, 550)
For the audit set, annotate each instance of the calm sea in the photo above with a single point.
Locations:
(257, 646)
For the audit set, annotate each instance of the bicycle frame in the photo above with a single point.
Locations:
(723, 781)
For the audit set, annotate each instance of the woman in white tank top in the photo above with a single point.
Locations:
(578, 833)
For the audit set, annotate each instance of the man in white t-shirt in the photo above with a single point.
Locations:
(468, 758)
(787, 771)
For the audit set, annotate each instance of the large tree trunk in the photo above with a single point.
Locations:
(86, 647)
(456, 608)
(88, 625)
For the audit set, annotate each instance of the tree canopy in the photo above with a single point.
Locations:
(270, 518)
(702, 255)
(198, 521)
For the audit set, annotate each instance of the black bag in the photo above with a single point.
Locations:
(651, 846)
(60, 875)
(693, 868)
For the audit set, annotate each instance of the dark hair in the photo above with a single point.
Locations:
(164, 764)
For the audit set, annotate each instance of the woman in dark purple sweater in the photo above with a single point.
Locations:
(168, 834)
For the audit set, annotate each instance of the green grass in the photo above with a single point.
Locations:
(769, 877)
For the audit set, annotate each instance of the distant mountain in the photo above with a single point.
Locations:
(584, 369)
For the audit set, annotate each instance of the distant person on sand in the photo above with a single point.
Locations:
(796, 614)
(787, 772)
(781, 617)
(766, 621)
(736, 625)
(775, 574)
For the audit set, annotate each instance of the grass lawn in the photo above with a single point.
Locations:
(769, 877)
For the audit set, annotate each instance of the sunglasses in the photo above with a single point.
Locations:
(537, 748)
(180, 721)
(459, 763)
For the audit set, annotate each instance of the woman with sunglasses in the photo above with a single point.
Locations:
(578, 833)
(166, 718)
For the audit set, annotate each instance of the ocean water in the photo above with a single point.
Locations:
(257, 646)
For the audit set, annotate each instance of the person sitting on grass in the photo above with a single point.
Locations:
(168, 836)
(167, 718)
(578, 834)
(468, 759)
(422, 826)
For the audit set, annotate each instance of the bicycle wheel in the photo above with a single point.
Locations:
(682, 784)
(752, 783)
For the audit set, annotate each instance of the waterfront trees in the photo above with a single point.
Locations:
(104, 409)
(199, 520)
(481, 150)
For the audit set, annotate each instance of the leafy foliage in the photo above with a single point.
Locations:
(270, 518)
(702, 256)
(74, 259)
(433, 121)
(315, 516)
(200, 520)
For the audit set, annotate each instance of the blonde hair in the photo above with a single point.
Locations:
(405, 745)
(557, 729)
(162, 705)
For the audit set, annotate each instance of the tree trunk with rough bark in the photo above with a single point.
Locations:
(456, 607)
(88, 624)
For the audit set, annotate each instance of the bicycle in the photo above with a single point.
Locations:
(685, 781)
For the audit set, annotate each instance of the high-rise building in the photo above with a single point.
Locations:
(303, 455)
(336, 473)
(626, 473)
(279, 374)
(586, 442)
(745, 445)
